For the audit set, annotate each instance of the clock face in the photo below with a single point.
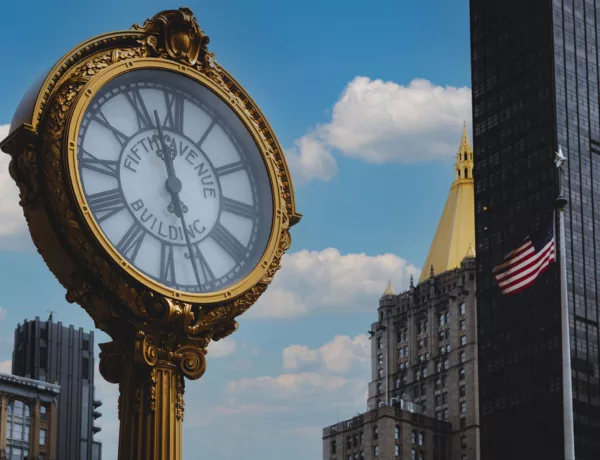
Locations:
(175, 181)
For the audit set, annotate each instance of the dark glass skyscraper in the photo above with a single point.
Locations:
(535, 87)
(54, 353)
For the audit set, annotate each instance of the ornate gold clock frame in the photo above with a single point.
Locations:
(159, 336)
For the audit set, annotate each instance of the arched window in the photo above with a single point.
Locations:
(442, 319)
(466, 173)
(458, 171)
(333, 446)
(461, 374)
(463, 442)
(465, 156)
(463, 357)
(421, 438)
(414, 436)
(18, 425)
(379, 388)
(397, 432)
(375, 432)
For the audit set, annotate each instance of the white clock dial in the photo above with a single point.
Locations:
(175, 181)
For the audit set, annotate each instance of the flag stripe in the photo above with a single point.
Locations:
(533, 272)
(523, 265)
(519, 269)
(529, 281)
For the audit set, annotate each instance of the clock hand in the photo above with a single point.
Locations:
(174, 186)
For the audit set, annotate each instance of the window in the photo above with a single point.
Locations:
(448, 348)
(44, 413)
(463, 408)
(438, 400)
(376, 451)
(362, 438)
(380, 358)
(349, 442)
(42, 456)
(463, 442)
(355, 440)
(438, 414)
(441, 336)
(463, 339)
(397, 432)
(18, 425)
(42, 437)
(375, 432)
(414, 436)
(461, 374)
(463, 390)
(463, 324)
(333, 447)
(86, 344)
(414, 454)
(379, 388)
(421, 438)
(463, 457)
(463, 308)
(397, 450)
(378, 343)
(463, 356)
(445, 414)
(445, 398)
(443, 319)
(446, 364)
(463, 423)
(380, 373)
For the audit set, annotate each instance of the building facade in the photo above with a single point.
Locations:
(51, 352)
(535, 87)
(423, 400)
(28, 420)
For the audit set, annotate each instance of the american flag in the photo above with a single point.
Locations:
(521, 267)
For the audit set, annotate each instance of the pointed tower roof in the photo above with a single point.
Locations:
(389, 290)
(456, 229)
(470, 252)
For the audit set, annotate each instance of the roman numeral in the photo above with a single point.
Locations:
(89, 161)
(131, 241)
(207, 273)
(174, 119)
(106, 204)
(137, 102)
(167, 265)
(100, 118)
(230, 168)
(237, 207)
(206, 133)
(229, 242)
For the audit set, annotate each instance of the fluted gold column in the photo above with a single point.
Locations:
(151, 376)
(151, 413)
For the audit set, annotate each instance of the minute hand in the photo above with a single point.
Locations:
(174, 186)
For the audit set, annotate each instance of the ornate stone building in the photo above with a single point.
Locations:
(423, 400)
(28, 419)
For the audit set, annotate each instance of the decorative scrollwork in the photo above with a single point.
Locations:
(179, 404)
(191, 361)
(175, 34)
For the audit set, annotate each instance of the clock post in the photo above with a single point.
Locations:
(125, 154)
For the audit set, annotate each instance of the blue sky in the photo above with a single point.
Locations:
(368, 100)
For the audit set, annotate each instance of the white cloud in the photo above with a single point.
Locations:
(339, 356)
(3, 313)
(252, 408)
(6, 367)
(378, 122)
(328, 280)
(13, 228)
(222, 348)
(312, 387)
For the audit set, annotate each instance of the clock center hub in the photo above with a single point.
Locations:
(150, 190)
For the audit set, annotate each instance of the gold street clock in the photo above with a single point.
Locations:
(157, 193)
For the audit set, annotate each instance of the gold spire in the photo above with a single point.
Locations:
(389, 290)
(456, 229)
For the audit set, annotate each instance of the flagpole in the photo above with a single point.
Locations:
(561, 202)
